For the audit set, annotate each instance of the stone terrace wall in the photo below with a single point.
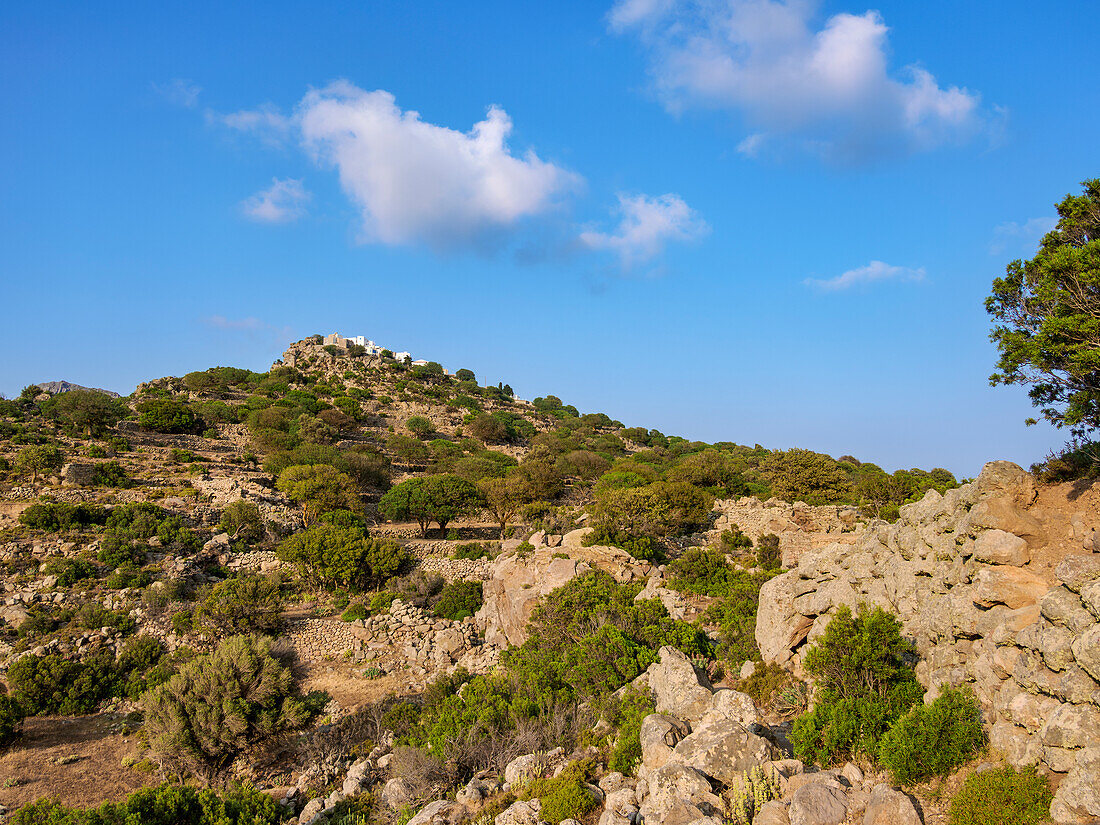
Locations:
(800, 527)
(961, 572)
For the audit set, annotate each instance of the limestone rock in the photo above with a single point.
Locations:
(533, 765)
(1013, 587)
(772, 813)
(520, 813)
(888, 806)
(442, 812)
(679, 795)
(818, 803)
(659, 735)
(723, 751)
(1078, 570)
(1086, 650)
(1078, 798)
(396, 793)
(999, 547)
(681, 692)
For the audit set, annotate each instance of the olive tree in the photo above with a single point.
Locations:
(319, 488)
(40, 458)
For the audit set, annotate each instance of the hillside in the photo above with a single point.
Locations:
(436, 581)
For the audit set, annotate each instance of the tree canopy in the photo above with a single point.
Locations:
(1047, 311)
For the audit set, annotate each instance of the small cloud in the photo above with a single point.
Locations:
(265, 122)
(872, 273)
(179, 92)
(282, 202)
(646, 226)
(1012, 235)
(750, 146)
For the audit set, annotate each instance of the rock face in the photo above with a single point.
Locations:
(801, 527)
(516, 582)
(958, 571)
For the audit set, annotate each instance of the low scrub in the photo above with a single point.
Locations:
(934, 739)
(1003, 796)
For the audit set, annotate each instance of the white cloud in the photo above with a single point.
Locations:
(265, 122)
(282, 202)
(872, 273)
(1020, 237)
(416, 181)
(646, 225)
(827, 87)
(179, 92)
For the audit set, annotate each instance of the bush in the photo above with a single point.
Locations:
(458, 600)
(45, 685)
(626, 754)
(735, 615)
(61, 516)
(420, 426)
(244, 604)
(355, 611)
(242, 520)
(664, 508)
(768, 556)
(167, 415)
(564, 796)
(473, 550)
(1003, 796)
(864, 684)
(11, 719)
(640, 547)
(162, 805)
(220, 706)
(702, 571)
(934, 739)
(334, 556)
(110, 474)
(69, 571)
(319, 488)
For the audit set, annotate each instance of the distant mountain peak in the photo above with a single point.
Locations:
(57, 387)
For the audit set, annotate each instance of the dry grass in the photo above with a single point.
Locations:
(97, 774)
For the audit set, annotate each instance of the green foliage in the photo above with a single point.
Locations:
(934, 739)
(50, 684)
(354, 612)
(11, 719)
(1047, 311)
(803, 475)
(68, 571)
(563, 796)
(242, 520)
(768, 556)
(333, 556)
(110, 474)
(627, 716)
(167, 415)
(703, 571)
(319, 488)
(85, 411)
(162, 805)
(438, 498)
(420, 426)
(473, 550)
(664, 508)
(735, 615)
(244, 604)
(864, 684)
(221, 705)
(57, 515)
(407, 449)
(1002, 796)
(459, 599)
(640, 547)
(465, 375)
(41, 458)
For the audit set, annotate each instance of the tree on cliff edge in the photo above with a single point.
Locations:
(1048, 309)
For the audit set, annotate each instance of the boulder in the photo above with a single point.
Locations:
(1078, 570)
(533, 765)
(733, 706)
(1013, 587)
(681, 691)
(520, 813)
(779, 628)
(679, 795)
(396, 793)
(772, 813)
(999, 547)
(442, 812)
(658, 736)
(818, 803)
(723, 751)
(312, 812)
(888, 806)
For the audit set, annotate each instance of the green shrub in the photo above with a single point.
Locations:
(61, 516)
(934, 739)
(221, 705)
(242, 520)
(68, 571)
(640, 547)
(110, 474)
(768, 556)
(162, 805)
(626, 754)
(701, 570)
(459, 599)
(50, 684)
(354, 612)
(735, 615)
(243, 604)
(864, 684)
(1003, 796)
(334, 556)
(11, 719)
(563, 796)
(473, 550)
(167, 415)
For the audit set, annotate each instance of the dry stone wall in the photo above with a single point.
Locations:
(963, 573)
(801, 528)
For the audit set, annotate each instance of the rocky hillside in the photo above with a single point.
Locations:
(464, 606)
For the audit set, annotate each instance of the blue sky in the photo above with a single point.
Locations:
(748, 221)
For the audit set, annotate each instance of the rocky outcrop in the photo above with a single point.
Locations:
(959, 570)
(801, 527)
(517, 581)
